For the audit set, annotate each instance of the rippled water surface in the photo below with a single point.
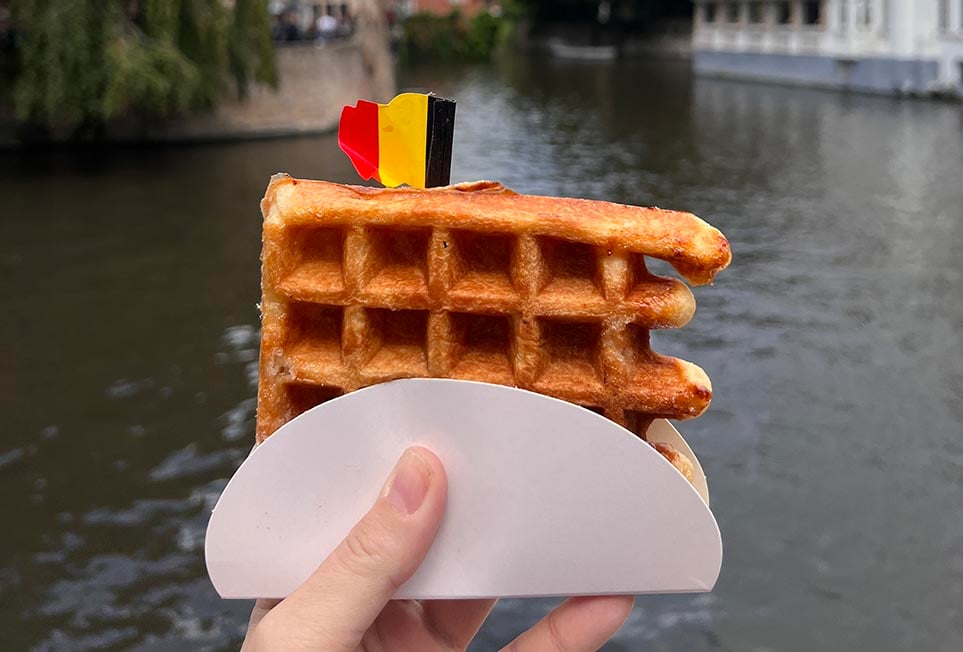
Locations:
(834, 444)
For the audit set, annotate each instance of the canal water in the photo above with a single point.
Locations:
(834, 445)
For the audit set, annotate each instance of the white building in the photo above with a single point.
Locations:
(886, 46)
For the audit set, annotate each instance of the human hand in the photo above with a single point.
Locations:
(346, 604)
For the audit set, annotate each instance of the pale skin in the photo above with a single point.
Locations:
(346, 605)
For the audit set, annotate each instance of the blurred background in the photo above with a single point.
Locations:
(825, 138)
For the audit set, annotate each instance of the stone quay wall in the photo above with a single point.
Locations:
(316, 81)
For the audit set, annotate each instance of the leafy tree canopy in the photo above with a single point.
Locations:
(80, 62)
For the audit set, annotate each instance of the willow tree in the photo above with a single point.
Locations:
(82, 62)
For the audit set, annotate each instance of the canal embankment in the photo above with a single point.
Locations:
(315, 81)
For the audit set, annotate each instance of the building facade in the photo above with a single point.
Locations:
(883, 46)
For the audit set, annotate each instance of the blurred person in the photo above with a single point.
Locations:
(277, 10)
(292, 31)
(326, 26)
(345, 21)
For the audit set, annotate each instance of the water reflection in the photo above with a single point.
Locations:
(834, 343)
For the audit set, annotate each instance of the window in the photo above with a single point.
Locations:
(709, 12)
(783, 13)
(811, 11)
(732, 12)
(944, 15)
(755, 12)
(843, 12)
(864, 12)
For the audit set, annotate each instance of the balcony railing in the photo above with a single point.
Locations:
(788, 39)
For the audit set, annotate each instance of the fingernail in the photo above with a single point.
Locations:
(408, 483)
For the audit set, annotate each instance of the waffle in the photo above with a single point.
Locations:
(473, 281)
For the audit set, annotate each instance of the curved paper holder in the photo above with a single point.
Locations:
(545, 498)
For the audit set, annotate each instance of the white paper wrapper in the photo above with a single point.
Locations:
(545, 498)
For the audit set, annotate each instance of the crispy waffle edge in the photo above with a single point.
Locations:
(303, 288)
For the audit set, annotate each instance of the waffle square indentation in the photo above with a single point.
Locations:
(638, 350)
(482, 347)
(318, 273)
(399, 262)
(315, 332)
(302, 396)
(572, 279)
(482, 266)
(570, 360)
(642, 283)
(398, 343)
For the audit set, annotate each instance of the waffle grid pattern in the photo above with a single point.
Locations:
(361, 304)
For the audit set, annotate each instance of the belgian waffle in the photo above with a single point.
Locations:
(473, 281)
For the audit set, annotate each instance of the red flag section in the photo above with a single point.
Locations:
(358, 138)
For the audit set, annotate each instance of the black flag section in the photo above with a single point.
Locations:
(439, 136)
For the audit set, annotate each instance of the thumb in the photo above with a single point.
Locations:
(351, 587)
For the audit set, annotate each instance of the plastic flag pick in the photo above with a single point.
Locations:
(406, 141)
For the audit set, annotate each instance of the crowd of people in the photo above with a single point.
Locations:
(310, 21)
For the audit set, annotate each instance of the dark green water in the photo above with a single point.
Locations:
(834, 445)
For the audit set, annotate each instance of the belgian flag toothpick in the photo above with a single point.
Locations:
(406, 141)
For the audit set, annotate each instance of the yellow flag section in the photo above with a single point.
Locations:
(402, 138)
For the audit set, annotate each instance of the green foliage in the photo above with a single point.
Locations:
(61, 73)
(429, 35)
(451, 37)
(250, 48)
(481, 37)
(81, 62)
(161, 16)
(150, 78)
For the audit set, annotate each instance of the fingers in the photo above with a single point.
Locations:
(455, 622)
(261, 609)
(337, 604)
(577, 625)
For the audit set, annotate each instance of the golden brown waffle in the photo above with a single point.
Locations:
(364, 285)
